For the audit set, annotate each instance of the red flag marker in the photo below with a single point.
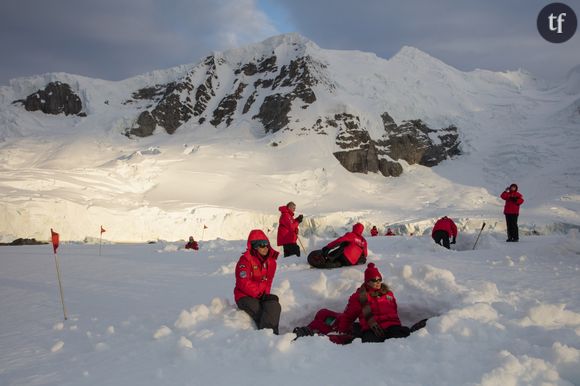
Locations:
(55, 239)
(102, 230)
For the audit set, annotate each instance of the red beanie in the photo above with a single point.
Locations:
(372, 272)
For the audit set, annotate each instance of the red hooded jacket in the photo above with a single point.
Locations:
(513, 200)
(383, 308)
(287, 227)
(447, 225)
(374, 232)
(357, 245)
(255, 274)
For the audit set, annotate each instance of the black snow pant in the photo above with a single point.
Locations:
(512, 227)
(266, 313)
(291, 249)
(369, 336)
(442, 238)
(335, 259)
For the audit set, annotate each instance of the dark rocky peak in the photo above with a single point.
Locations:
(56, 98)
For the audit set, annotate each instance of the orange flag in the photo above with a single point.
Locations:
(55, 239)
(102, 230)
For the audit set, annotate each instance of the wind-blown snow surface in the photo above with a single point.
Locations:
(505, 314)
(75, 174)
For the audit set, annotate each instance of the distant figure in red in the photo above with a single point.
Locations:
(389, 232)
(444, 229)
(374, 231)
(288, 229)
(350, 249)
(513, 200)
(192, 244)
(254, 276)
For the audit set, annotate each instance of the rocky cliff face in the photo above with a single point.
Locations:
(56, 98)
(283, 89)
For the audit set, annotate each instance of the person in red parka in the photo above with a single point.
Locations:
(513, 200)
(288, 229)
(444, 229)
(192, 244)
(374, 231)
(254, 276)
(389, 232)
(350, 249)
(375, 306)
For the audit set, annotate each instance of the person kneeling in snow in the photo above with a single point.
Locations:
(254, 276)
(444, 229)
(350, 249)
(375, 307)
(192, 244)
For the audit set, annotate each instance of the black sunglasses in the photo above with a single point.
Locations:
(376, 280)
(259, 244)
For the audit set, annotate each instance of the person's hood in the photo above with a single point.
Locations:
(358, 228)
(285, 209)
(258, 234)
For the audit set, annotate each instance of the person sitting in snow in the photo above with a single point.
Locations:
(374, 231)
(254, 276)
(288, 229)
(513, 200)
(350, 249)
(192, 244)
(375, 307)
(389, 232)
(444, 229)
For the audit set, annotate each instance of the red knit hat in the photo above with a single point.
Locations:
(372, 272)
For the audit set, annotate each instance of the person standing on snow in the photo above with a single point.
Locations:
(513, 200)
(350, 249)
(444, 229)
(254, 276)
(288, 229)
(374, 231)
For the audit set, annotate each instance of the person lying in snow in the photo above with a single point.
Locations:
(375, 307)
(254, 276)
(389, 232)
(288, 229)
(192, 244)
(374, 231)
(350, 249)
(444, 229)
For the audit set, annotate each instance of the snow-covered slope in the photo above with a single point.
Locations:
(140, 315)
(74, 173)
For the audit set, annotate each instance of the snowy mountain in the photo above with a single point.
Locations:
(346, 135)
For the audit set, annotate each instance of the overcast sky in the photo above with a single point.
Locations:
(116, 39)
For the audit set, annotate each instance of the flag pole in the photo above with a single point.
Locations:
(60, 285)
(100, 242)
(55, 241)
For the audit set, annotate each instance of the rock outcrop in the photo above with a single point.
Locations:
(56, 98)
(410, 141)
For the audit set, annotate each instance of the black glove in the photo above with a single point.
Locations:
(302, 331)
(269, 298)
(453, 241)
(299, 219)
(514, 200)
(325, 251)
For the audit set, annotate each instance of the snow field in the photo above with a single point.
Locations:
(151, 314)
